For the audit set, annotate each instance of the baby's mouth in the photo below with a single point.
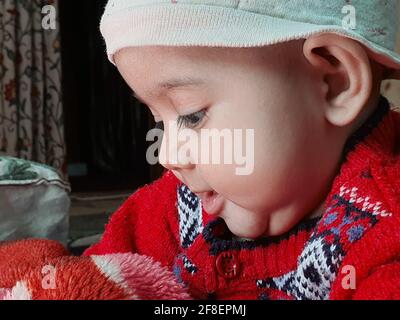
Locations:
(211, 201)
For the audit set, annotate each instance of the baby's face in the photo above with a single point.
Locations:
(269, 90)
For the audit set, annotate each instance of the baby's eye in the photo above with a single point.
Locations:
(191, 121)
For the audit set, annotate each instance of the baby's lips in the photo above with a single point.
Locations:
(211, 201)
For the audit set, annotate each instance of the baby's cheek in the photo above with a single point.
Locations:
(219, 176)
(224, 180)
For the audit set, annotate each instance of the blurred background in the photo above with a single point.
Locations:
(64, 105)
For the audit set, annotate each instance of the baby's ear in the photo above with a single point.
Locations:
(344, 74)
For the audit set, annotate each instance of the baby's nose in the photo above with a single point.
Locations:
(169, 156)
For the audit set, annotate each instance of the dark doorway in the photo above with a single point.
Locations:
(105, 126)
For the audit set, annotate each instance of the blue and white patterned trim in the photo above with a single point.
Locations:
(346, 220)
(317, 268)
(189, 265)
(190, 216)
(366, 204)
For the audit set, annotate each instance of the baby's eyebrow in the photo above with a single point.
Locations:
(169, 85)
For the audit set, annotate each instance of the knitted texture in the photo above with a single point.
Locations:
(359, 231)
(43, 270)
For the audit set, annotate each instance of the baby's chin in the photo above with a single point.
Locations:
(246, 224)
(250, 234)
(243, 223)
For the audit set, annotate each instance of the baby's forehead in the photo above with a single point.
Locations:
(145, 66)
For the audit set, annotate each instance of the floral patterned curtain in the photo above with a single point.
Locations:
(31, 111)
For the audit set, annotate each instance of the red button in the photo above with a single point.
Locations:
(227, 265)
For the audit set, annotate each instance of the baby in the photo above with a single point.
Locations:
(317, 216)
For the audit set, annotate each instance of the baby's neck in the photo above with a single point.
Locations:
(317, 213)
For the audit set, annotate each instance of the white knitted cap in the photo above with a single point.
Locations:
(248, 23)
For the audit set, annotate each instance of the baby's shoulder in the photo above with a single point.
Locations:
(160, 190)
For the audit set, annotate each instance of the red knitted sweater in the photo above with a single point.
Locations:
(351, 252)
